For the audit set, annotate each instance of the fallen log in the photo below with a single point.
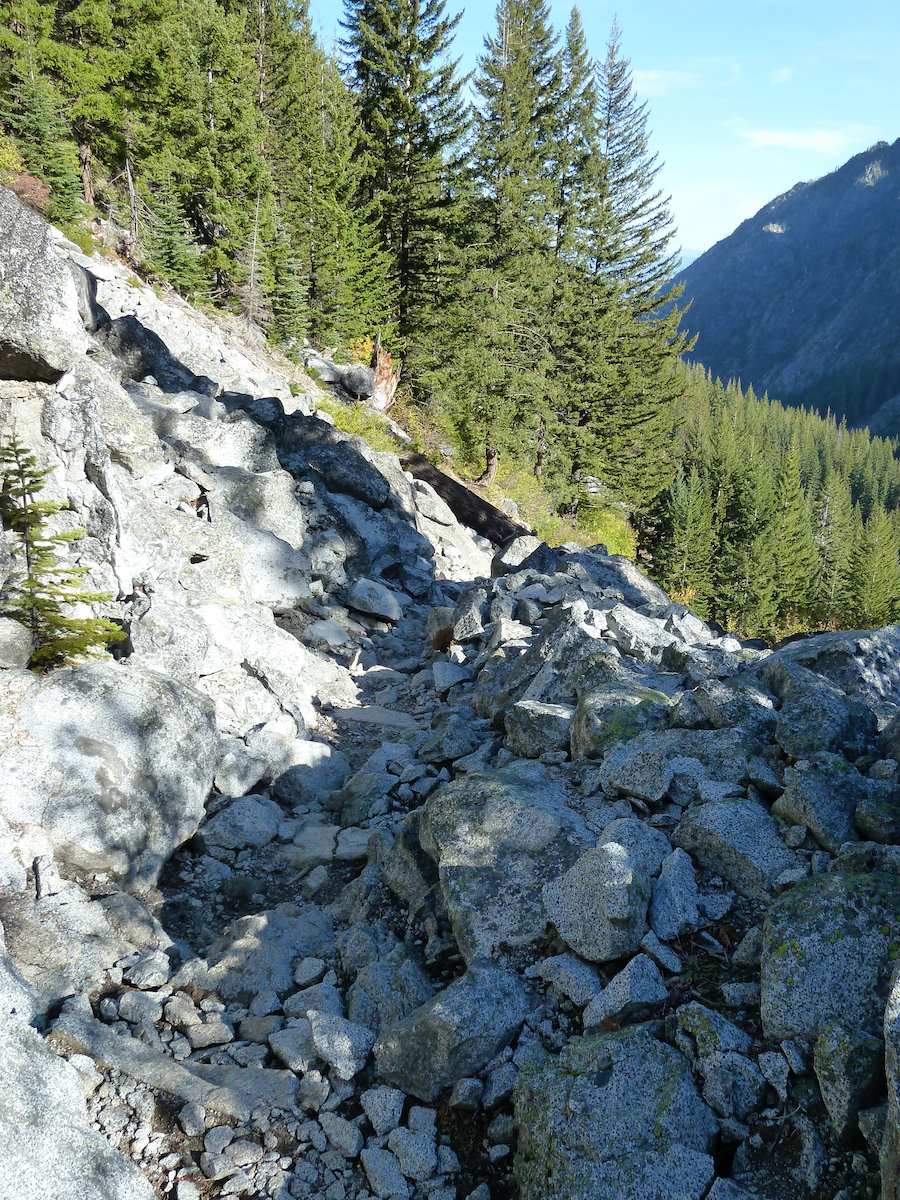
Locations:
(467, 506)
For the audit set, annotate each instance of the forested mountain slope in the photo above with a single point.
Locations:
(802, 299)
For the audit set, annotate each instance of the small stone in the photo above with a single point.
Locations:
(500, 1085)
(309, 971)
(217, 1139)
(416, 1152)
(421, 1120)
(344, 1136)
(215, 1034)
(384, 1175)
(192, 1119)
(576, 980)
(775, 1069)
(384, 1108)
(344, 1045)
(794, 1056)
(673, 908)
(150, 969)
(661, 954)
(502, 1129)
(294, 1047)
(749, 950)
(737, 995)
(466, 1095)
(638, 988)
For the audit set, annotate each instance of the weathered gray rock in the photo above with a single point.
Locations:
(250, 821)
(41, 332)
(343, 1044)
(616, 1114)
(635, 992)
(113, 763)
(739, 841)
(733, 1084)
(828, 949)
(575, 979)
(633, 771)
(16, 643)
(702, 1032)
(231, 1091)
(848, 1064)
(890, 1142)
(257, 953)
(497, 838)
(470, 615)
(386, 992)
(534, 728)
(454, 738)
(416, 1152)
(455, 1034)
(615, 713)
(384, 1175)
(644, 638)
(384, 1108)
(48, 1150)
(511, 557)
(815, 715)
(369, 596)
(338, 457)
(674, 905)
(864, 664)
(599, 905)
(448, 675)
(822, 793)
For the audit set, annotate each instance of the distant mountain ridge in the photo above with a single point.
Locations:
(803, 299)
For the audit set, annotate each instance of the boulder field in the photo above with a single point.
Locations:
(383, 862)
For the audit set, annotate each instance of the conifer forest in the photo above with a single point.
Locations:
(502, 232)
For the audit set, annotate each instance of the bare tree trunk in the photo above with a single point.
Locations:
(132, 205)
(87, 179)
(492, 463)
(541, 449)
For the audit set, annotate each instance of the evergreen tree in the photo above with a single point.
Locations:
(633, 243)
(684, 555)
(412, 123)
(794, 551)
(873, 597)
(834, 536)
(496, 378)
(40, 593)
(317, 167)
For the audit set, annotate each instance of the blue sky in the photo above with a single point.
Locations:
(746, 97)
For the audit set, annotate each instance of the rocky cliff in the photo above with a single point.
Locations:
(801, 299)
(383, 862)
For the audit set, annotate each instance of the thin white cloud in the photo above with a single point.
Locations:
(660, 83)
(834, 142)
(781, 76)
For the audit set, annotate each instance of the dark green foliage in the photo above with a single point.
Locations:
(168, 238)
(800, 536)
(42, 588)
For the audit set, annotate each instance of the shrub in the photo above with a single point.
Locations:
(42, 589)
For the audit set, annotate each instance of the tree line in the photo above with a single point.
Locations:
(503, 232)
(778, 519)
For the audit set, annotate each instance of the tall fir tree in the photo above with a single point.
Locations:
(873, 595)
(498, 330)
(795, 561)
(412, 117)
(635, 240)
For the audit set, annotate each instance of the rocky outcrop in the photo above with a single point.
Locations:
(384, 861)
